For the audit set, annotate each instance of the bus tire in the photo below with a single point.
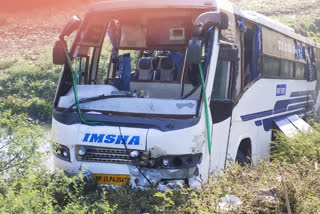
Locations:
(244, 153)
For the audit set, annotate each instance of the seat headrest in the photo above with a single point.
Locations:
(166, 63)
(145, 63)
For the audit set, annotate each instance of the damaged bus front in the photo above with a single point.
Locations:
(129, 106)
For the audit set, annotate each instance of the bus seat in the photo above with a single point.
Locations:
(167, 69)
(145, 68)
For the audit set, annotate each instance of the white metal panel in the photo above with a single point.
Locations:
(299, 123)
(219, 141)
(286, 127)
(92, 90)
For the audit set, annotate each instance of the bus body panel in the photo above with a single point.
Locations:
(262, 98)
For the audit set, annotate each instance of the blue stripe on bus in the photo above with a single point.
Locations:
(256, 115)
(282, 105)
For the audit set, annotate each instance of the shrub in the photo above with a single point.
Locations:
(303, 144)
(42, 192)
(19, 144)
(29, 87)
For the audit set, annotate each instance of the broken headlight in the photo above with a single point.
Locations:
(178, 161)
(62, 152)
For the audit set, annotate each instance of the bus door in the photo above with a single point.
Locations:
(221, 102)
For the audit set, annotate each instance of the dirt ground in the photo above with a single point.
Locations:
(28, 33)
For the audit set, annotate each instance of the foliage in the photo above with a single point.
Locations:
(19, 143)
(259, 190)
(42, 192)
(29, 87)
(303, 144)
(27, 186)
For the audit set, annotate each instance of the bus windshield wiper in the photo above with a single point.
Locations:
(100, 97)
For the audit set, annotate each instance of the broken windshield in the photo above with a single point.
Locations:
(138, 69)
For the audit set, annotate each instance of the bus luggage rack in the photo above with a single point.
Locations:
(110, 155)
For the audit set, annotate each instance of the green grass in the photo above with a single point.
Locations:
(28, 86)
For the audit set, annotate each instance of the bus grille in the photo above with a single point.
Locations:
(111, 155)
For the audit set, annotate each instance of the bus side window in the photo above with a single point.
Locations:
(271, 67)
(224, 84)
(300, 71)
(221, 80)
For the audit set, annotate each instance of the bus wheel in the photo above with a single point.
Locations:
(244, 153)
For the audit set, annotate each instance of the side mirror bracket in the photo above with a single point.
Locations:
(201, 26)
(59, 55)
(194, 51)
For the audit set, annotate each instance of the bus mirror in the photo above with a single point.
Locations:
(194, 51)
(210, 19)
(59, 55)
(71, 26)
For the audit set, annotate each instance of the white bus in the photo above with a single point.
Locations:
(158, 93)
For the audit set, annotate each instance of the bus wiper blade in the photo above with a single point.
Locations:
(100, 97)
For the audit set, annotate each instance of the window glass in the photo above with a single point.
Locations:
(271, 67)
(300, 70)
(80, 67)
(287, 69)
(318, 70)
(220, 84)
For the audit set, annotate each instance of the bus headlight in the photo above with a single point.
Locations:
(134, 154)
(82, 151)
(62, 152)
(179, 161)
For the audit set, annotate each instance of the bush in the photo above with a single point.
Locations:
(19, 144)
(259, 190)
(27, 186)
(303, 144)
(29, 87)
(42, 192)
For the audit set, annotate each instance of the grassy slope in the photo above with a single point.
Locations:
(303, 16)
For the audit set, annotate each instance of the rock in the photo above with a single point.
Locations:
(269, 195)
(229, 202)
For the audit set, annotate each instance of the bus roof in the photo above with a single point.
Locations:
(122, 5)
(116, 5)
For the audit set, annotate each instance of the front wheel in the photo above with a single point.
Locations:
(243, 158)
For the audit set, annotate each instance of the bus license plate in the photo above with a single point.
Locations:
(112, 179)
